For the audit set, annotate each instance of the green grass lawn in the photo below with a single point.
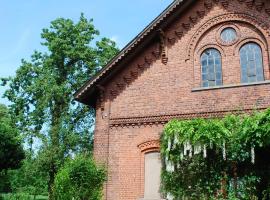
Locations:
(22, 197)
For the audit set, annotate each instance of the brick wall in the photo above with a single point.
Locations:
(147, 93)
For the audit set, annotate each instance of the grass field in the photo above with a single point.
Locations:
(22, 197)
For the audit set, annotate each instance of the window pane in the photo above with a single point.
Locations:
(219, 82)
(252, 79)
(228, 35)
(212, 83)
(251, 63)
(260, 78)
(211, 68)
(258, 61)
(204, 77)
(244, 78)
(210, 62)
(211, 77)
(205, 84)
(204, 62)
(217, 61)
(251, 70)
(250, 55)
(204, 69)
(219, 76)
(218, 69)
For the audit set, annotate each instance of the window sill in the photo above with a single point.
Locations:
(231, 86)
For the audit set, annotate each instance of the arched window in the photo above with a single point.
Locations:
(251, 63)
(211, 68)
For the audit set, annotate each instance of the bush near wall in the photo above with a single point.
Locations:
(225, 158)
(79, 179)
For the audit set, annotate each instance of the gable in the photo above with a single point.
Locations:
(161, 52)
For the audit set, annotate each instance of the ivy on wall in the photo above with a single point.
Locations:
(225, 158)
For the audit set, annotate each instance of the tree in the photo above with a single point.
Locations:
(11, 150)
(79, 179)
(42, 90)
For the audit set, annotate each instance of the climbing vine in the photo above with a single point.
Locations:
(217, 158)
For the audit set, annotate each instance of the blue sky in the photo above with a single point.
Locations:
(22, 21)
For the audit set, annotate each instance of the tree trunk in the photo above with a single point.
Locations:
(235, 181)
(224, 185)
(56, 154)
(51, 182)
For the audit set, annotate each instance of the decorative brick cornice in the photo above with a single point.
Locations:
(163, 119)
(153, 144)
(163, 47)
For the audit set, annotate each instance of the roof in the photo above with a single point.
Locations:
(87, 94)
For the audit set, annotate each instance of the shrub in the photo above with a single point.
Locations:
(79, 179)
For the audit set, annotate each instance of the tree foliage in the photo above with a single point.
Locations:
(29, 179)
(42, 90)
(11, 150)
(217, 158)
(79, 179)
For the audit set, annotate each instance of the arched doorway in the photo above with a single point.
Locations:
(151, 170)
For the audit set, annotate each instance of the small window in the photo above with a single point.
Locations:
(211, 68)
(251, 63)
(228, 35)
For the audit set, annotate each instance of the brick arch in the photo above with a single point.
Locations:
(257, 40)
(149, 146)
(261, 26)
(209, 46)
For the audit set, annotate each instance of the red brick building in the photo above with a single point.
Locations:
(199, 58)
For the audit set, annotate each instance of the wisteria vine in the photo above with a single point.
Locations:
(217, 158)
